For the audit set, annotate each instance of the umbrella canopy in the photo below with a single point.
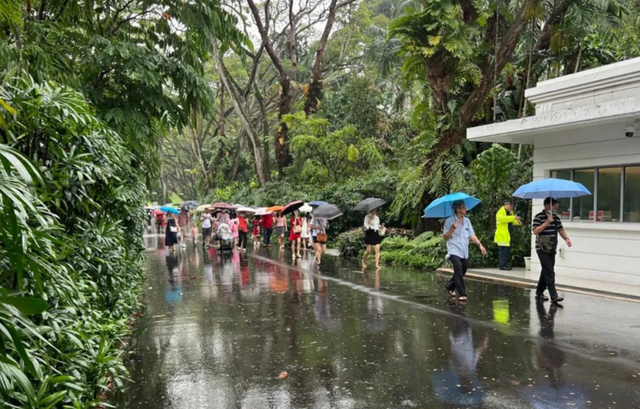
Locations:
(369, 204)
(236, 206)
(327, 211)
(262, 211)
(245, 210)
(293, 206)
(274, 209)
(305, 208)
(168, 209)
(221, 205)
(443, 207)
(317, 203)
(556, 188)
(157, 211)
(202, 208)
(149, 208)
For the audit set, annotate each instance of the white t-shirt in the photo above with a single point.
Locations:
(372, 223)
(206, 221)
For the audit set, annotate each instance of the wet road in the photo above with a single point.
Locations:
(258, 331)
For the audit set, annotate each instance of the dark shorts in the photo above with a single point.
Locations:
(372, 238)
(206, 232)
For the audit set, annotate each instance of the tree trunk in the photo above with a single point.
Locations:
(244, 118)
(283, 156)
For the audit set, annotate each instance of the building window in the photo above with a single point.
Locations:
(615, 194)
(609, 194)
(632, 194)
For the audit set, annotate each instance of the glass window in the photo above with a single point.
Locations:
(564, 207)
(609, 187)
(632, 194)
(583, 206)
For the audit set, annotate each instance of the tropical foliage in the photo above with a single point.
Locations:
(88, 90)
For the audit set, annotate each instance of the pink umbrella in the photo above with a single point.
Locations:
(221, 205)
(157, 211)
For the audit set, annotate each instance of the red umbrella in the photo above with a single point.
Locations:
(157, 212)
(293, 206)
(221, 205)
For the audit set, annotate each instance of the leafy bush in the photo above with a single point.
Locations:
(351, 243)
(427, 251)
(71, 255)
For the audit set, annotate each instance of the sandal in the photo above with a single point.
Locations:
(452, 293)
(462, 298)
(558, 299)
(542, 298)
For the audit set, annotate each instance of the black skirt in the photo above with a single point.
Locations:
(372, 237)
(170, 238)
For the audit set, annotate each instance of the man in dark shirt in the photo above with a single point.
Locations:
(546, 227)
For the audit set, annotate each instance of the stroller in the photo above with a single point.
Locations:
(225, 237)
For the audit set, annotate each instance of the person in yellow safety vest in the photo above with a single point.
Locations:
(505, 220)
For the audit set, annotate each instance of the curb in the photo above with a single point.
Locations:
(529, 284)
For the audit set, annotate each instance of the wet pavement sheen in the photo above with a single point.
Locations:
(261, 331)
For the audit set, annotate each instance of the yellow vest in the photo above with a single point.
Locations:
(502, 237)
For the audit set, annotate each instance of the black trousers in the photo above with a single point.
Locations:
(242, 239)
(460, 266)
(504, 254)
(548, 275)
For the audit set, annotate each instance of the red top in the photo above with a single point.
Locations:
(266, 221)
(242, 224)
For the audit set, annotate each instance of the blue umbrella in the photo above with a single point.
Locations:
(443, 207)
(556, 188)
(168, 209)
(317, 203)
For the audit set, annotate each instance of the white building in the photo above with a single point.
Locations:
(587, 128)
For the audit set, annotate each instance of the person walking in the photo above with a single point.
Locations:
(256, 232)
(243, 231)
(159, 223)
(206, 220)
(183, 224)
(372, 237)
(295, 234)
(546, 227)
(233, 223)
(457, 232)
(305, 233)
(281, 228)
(266, 225)
(319, 229)
(505, 220)
(194, 233)
(171, 233)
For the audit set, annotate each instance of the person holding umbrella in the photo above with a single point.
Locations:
(295, 234)
(171, 233)
(372, 229)
(457, 233)
(546, 227)
(319, 226)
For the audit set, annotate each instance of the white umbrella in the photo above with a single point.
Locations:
(305, 209)
(202, 208)
(261, 211)
(243, 209)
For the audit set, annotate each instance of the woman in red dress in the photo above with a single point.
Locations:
(294, 234)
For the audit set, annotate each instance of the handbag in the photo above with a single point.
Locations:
(321, 238)
(173, 229)
(297, 229)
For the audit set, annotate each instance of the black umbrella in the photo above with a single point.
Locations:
(326, 211)
(369, 204)
(293, 206)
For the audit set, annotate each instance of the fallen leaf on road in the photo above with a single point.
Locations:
(283, 375)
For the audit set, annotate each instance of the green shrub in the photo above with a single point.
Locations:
(351, 243)
(427, 251)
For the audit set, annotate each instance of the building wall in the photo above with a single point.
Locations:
(601, 251)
